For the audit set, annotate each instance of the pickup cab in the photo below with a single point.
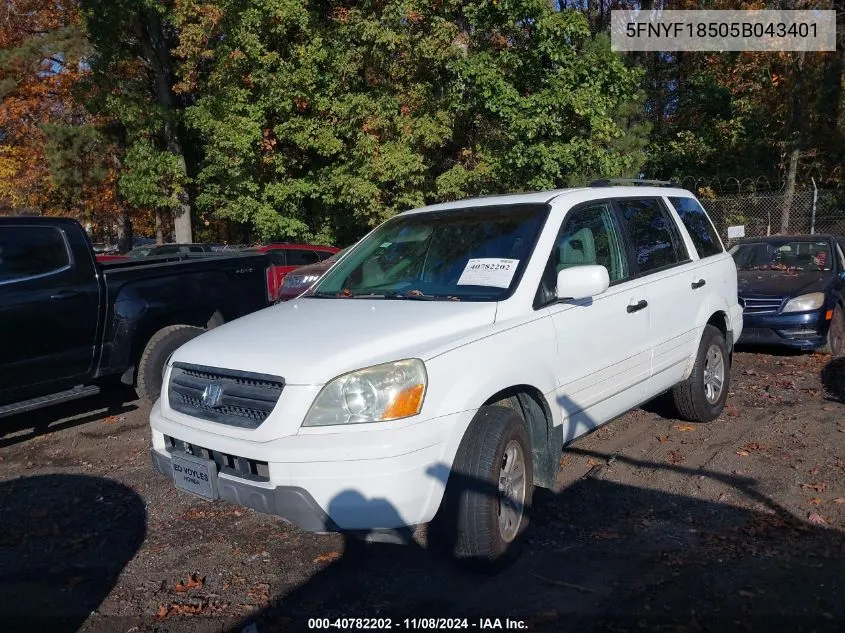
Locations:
(435, 372)
(68, 322)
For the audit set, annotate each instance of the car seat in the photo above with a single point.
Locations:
(578, 249)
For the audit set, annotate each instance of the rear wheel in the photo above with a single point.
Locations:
(702, 396)
(484, 510)
(159, 348)
(836, 333)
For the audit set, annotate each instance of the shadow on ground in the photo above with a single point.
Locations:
(64, 539)
(833, 379)
(602, 556)
(114, 400)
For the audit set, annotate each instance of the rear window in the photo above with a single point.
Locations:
(301, 257)
(698, 225)
(31, 251)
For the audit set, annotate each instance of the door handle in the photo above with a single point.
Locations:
(697, 284)
(635, 307)
(63, 295)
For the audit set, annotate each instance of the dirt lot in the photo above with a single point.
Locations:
(656, 525)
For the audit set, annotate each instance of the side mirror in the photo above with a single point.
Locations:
(581, 282)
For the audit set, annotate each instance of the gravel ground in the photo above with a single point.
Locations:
(655, 525)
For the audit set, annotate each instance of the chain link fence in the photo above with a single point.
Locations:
(760, 207)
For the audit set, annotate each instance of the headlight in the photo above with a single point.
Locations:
(812, 301)
(292, 281)
(375, 394)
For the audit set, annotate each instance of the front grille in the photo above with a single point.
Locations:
(236, 398)
(251, 469)
(760, 305)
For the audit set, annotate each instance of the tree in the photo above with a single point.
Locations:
(319, 120)
(133, 79)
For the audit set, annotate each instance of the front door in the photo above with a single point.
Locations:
(604, 355)
(48, 314)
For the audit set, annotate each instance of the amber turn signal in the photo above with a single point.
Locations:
(406, 403)
(828, 315)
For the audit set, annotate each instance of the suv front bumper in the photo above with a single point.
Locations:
(325, 482)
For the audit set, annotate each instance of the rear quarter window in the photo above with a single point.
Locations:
(297, 257)
(31, 251)
(698, 225)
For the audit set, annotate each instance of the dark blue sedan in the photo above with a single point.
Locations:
(792, 289)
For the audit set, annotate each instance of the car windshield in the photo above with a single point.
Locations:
(794, 255)
(475, 253)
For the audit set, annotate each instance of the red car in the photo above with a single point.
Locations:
(286, 257)
(303, 278)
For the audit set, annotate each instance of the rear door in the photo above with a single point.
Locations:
(674, 288)
(49, 306)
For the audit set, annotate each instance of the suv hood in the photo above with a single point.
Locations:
(781, 284)
(310, 341)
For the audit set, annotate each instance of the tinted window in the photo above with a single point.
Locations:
(652, 233)
(698, 225)
(277, 257)
(324, 255)
(30, 251)
(301, 258)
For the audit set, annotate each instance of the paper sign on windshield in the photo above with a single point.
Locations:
(488, 271)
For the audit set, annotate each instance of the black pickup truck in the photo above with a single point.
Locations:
(68, 323)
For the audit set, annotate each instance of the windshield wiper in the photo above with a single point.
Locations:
(411, 297)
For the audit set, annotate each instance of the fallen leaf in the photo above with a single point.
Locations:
(193, 582)
(819, 487)
(742, 453)
(114, 419)
(815, 501)
(604, 534)
(816, 519)
(813, 471)
(163, 611)
(683, 428)
(675, 457)
(260, 593)
(327, 558)
(662, 438)
(594, 462)
(839, 500)
(542, 618)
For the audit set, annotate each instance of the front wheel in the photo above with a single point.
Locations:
(702, 396)
(836, 333)
(484, 509)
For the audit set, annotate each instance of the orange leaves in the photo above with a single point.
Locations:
(193, 582)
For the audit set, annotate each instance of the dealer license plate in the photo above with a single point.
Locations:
(194, 474)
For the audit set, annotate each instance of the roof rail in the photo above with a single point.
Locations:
(609, 182)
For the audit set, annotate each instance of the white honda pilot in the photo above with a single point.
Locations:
(435, 372)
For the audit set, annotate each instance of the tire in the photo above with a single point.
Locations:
(836, 333)
(691, 396)
(468, 522)
(163, 343)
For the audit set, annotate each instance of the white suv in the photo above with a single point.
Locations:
(437, 370)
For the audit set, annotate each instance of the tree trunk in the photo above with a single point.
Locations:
(789, 195)
(157, 52)
(159, 228)
(124, 231)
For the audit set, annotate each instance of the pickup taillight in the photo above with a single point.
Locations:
(274, 284)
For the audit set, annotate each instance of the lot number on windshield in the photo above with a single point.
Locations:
(488, 271)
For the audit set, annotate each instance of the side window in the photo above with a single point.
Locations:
(323, 255)
(589, 235)
(31, 251)
(301, 257)
(698, 225)
(277, 257)
(653, 234)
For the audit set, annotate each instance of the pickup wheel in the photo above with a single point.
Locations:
(484, 511)
(701, 397)
(159, 348)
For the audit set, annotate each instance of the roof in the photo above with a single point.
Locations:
(545, 197)
(800, 236)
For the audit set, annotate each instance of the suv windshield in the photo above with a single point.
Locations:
(796, 255)
(475, 253)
